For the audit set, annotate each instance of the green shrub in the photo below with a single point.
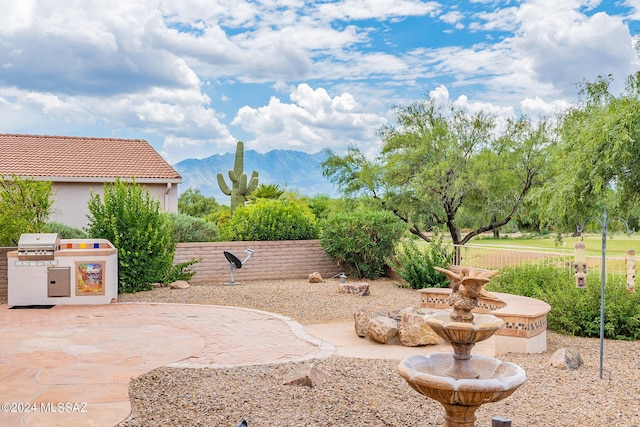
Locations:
(181, 271)
(186, 228)
(321, 205)
(415, 264)
(268, 219)
(130, 218)
(193, 203)
(64, 231)
(529, 280)
(362, 240)
(575, 311)
(25, 205)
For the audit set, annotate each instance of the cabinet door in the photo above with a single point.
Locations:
(59, 281)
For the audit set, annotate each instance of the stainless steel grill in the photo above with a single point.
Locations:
(38, 246)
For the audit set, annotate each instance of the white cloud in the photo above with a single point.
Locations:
(313, 121)
(473, 107)
(564, 48)
(453, 17)
(545, 55)
(635, 9)
(376, 9)
(175, 70)
(536, 107)
(440, 95)
(502, 19)
(171, 115)
(16, 15)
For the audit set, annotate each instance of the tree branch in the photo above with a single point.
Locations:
(507, 218)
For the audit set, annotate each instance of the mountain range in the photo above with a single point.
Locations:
(289, 169)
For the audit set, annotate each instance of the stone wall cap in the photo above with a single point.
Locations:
(515, 304)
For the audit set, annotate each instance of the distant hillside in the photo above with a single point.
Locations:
(293, 170)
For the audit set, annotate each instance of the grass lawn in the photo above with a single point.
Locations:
(617, 244)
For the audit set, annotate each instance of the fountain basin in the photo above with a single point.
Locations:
(481, 328)
(496, 381)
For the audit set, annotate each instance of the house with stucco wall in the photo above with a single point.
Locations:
(79, 166)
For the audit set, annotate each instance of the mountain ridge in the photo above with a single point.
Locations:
(289, 169)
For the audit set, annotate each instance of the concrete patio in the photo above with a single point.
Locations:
(84, 356)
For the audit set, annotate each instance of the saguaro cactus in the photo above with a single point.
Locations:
(240, 188)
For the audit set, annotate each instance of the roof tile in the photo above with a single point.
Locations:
(81, 157)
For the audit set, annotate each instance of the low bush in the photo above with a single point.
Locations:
(64, 231)
(180, 271)
(362, 240)
(575, 311)
(130, 218)
(186, 228)
(269, 219)
(415, 263)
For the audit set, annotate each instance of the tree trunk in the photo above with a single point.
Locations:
(455, 234)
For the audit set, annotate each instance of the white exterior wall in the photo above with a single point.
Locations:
(71, 200)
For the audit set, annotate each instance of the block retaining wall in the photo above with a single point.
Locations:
(286, 259)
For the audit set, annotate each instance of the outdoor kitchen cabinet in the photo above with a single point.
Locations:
(46, 270)
(58, 282)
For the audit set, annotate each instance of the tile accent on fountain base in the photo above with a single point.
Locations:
(525, 318)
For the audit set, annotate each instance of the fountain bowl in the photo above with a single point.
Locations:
(497, 380)
(482, 327)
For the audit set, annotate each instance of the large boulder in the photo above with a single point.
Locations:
(363, 314)
(566, 358)
(414, 330)
(383, 330)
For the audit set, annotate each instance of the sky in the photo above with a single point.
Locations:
(192, 77)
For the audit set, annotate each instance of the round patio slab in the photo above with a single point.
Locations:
(71, 365)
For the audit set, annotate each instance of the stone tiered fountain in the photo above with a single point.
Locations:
(459, 381)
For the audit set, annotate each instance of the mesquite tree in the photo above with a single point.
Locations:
(446, 166)
(597, 162)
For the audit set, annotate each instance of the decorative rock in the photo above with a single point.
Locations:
(315, 278)
(362, 315)
(414, 330)
(308, 376)
(383, 330)
(358, 288)
(566, 358)
(180, 284)
(414, 310)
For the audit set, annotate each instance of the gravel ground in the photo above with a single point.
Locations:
(306, 303)
(363, 392)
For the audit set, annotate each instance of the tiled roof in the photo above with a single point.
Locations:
(69, 157)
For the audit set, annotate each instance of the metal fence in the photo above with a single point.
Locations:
(498, 257)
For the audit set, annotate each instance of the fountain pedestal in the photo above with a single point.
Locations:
(461, 382)
(461, 366)
(458, 415)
